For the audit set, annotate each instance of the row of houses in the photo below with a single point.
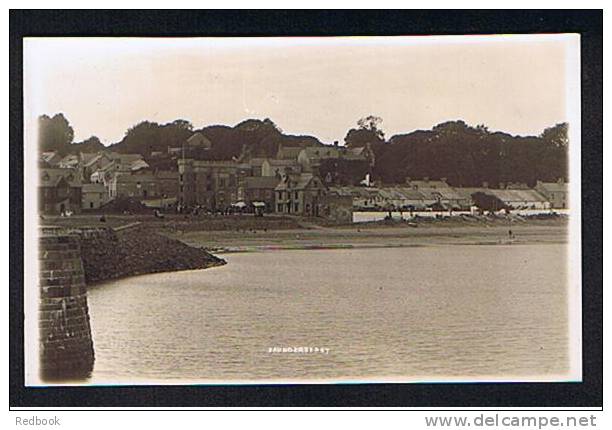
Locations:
(267, 182)
(288, 183)
(217, 185)
(94, 179)
(91, 180)
(439, 195)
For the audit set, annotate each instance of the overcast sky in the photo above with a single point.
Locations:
(317, 86)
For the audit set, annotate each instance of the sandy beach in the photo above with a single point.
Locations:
(376, 236)
(247, 233)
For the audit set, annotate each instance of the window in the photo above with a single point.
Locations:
(90, 205)
(296, 195)
(296, 207)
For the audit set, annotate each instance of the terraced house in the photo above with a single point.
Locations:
(300, 195)
(59, 190)
(555, 192)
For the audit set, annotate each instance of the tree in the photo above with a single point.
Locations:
(368, 131)
(556, 135)
(91, 144)
(54, 133)
(372, 123)
(147, 137)
(182, 124)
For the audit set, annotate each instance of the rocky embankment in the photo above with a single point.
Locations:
(113, 254)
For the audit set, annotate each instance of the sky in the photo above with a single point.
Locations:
(316, 86)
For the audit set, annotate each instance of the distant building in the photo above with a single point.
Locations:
(127, 162)
(300, 195)
(311, 157)
(70, 161)
(513, 198)
(195, 147)
(440, 193)
(93, 196)
(105, 162)
(256, 164)
(288, 152)
(198, 140)
(51, 158)
(555, 192)
(363, 198)
(59, 190)
(260, 189)
(360, 153)
(137, 185)
(407, 198)
(102, 175)
(213, 185)
(274, 167)
(168, 183)
(100, 161)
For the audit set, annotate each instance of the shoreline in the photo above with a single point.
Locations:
(349, 246)
(150, 245)
(373, 236)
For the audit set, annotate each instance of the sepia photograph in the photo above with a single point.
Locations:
(302, 210)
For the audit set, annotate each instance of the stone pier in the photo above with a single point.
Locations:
(66, 346)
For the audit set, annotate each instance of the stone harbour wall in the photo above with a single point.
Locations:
(65, 343)
(72, 258)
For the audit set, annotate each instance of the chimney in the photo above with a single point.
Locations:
(485, 184)
(443, 180)
(408, 179)
(502, 185)
(426, 178)
(560, 181)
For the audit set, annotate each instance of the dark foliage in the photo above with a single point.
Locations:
(147, 137)
(90, 145)
(343, 172)
(488, 202)
(54, 133)
(469, 156)
(253, 138)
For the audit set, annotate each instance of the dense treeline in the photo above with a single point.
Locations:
(465, 155)
(469, 156)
